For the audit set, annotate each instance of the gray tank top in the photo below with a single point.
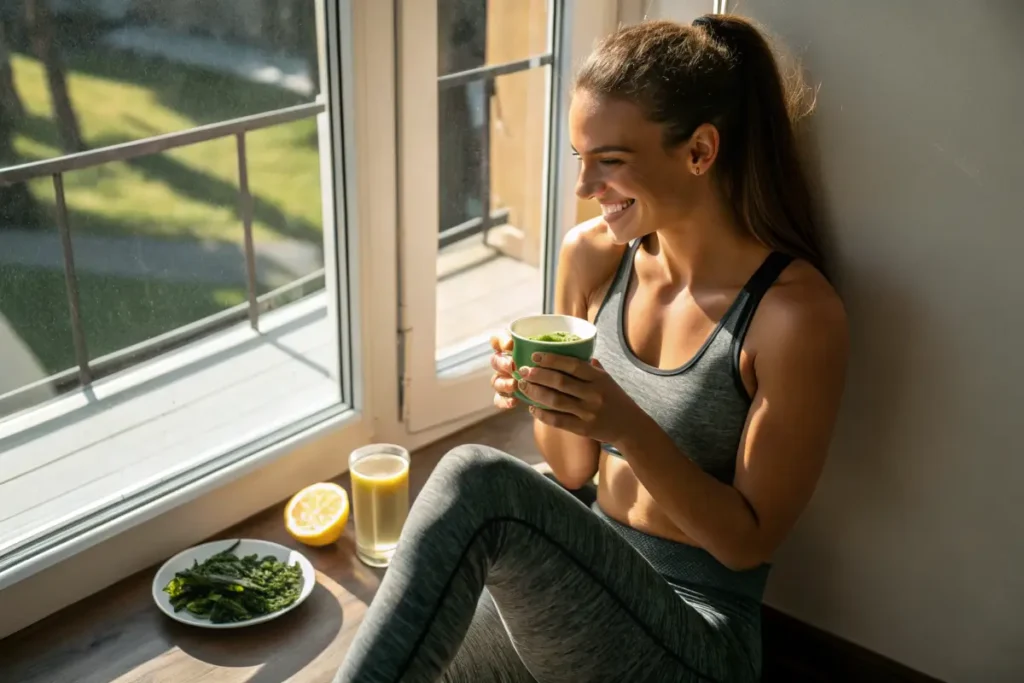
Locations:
(702, 405)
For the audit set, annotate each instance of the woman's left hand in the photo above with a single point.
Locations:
(582, 397)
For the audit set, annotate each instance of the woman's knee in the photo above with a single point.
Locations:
(478, 466)
(472, 458)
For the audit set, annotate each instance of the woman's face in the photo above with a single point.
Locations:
(641, 185)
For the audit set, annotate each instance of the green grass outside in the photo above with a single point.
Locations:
(116, 311)
(186, 193)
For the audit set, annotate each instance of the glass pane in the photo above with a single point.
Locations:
(132, 70)
(157, 239)
(158, 244)
(492, 186)
(475, 33)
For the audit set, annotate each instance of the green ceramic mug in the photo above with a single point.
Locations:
(546, 333)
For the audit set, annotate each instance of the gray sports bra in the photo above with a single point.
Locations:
(702, 405)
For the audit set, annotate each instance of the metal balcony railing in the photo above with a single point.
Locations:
(488, 74)
(89, 369)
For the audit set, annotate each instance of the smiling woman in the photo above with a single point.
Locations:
(702, 279)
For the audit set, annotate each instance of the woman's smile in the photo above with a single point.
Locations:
(615, 211)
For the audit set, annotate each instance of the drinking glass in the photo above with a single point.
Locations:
(380, 500)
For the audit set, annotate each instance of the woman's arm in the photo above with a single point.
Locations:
(800, 370)
(800, 366)
(586, 262)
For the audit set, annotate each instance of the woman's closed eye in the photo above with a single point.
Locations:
(604, 162)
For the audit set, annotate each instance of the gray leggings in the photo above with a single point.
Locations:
(501, 575)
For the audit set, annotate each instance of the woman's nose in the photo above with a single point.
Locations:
(587, 186)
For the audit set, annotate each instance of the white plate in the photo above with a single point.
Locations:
(247, 546)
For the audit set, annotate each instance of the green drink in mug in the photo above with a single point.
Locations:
(549, 333)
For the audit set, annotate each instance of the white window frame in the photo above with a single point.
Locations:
(235, 440)
(434, 396)
(428, 399)
(366, 48)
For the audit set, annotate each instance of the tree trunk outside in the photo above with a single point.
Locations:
(40, 22)
(18, 207)
(270, 14)
(8, 123)
(10, 102)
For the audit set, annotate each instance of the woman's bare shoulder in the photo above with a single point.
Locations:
(803, 310)
(586, 263)
(802, 288)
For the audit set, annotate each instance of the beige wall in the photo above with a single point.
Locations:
(683, 11)
(914, 543)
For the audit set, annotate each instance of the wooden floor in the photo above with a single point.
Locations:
(119, 636)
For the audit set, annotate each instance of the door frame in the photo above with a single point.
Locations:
(434, 394)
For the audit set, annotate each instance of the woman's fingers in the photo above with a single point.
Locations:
(501, 345)
(502, 364)
(505, 402)
(502, 381)
(552, 379)
(555, 400)
(503, 384)
(566, 364)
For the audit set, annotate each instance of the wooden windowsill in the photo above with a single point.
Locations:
(118, 635)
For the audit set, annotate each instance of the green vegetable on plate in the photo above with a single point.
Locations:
(227, 588)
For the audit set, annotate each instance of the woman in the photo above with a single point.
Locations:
(707, 412)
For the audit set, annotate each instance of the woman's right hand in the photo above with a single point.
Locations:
(502, 381)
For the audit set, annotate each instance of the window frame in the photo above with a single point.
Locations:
(345, 421)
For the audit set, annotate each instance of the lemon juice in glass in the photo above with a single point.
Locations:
(380, 500)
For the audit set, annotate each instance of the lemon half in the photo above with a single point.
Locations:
(317, 514)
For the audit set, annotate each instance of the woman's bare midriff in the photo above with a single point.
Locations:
(623, 498)
(619, 493)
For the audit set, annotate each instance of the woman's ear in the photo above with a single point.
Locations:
(702, 149)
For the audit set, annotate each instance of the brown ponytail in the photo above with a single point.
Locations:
(721, 71)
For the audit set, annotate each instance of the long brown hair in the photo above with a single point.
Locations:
(722, 71)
